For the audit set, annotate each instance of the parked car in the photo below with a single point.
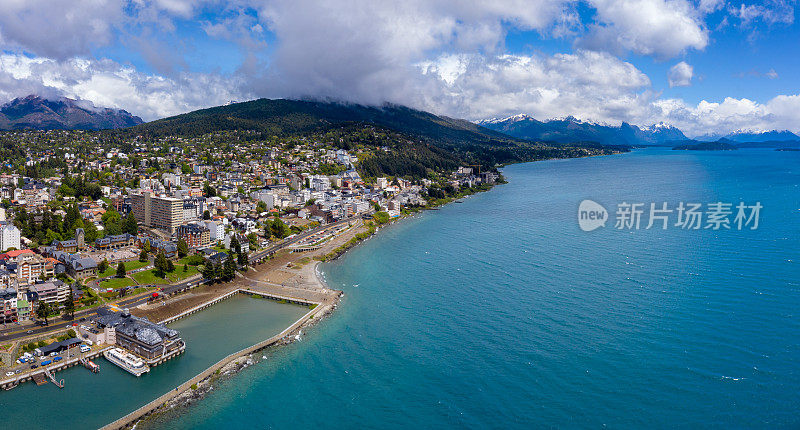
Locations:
(33, 366)
(9, 373)
(57, 358)
(46, 362)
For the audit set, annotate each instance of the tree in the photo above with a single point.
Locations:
(236, 246)
(170, 266)
(208, 271)
(183, 248)
(206, 215)
(143, 255)
(69, 308)
(261, 207)
(131, 227)
(121, 272)
(103, 266)
(278, 229)
(242, 259)
(229, 269)
(185, 268)
(161, 264)
(42, 311)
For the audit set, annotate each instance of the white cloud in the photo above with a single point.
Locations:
(680, 75)
(662, 28)
(588, 85)
(109, 84)
(58, 29)
(769, 12)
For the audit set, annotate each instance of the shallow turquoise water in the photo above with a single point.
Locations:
(500, 312)
(90, 401)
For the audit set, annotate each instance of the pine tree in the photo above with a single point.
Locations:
(121, 272)
(208, 270)
(131, 226)
(42, 311)
(183, 248)
(69, 307)
(161, 264)
(229, 269)
(143, 255)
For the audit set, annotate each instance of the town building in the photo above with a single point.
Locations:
(164, 213)
(140, 336)
(9, 236)
(196, 236)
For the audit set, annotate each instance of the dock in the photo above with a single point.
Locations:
(40, 375)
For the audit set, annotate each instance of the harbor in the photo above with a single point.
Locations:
(231, 325)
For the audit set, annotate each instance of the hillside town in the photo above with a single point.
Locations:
(89, 221)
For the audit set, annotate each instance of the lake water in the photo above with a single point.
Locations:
(500, 312)
(89, 401)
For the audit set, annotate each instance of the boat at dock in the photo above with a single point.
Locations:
(129, 362)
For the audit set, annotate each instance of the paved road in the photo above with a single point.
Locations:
(296, 238)
(13, 331)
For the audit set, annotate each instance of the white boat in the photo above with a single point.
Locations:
(124, 359)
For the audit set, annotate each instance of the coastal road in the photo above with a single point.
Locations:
(13, 331)
(296, 238)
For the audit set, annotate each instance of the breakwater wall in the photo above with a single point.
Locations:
(133, 417)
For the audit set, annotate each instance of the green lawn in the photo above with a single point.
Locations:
(129, 265)
(116, 283)
(149, 276)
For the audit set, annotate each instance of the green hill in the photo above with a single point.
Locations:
(462, 140)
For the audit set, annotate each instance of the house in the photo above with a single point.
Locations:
(53, 292)
(8, 305)
(66, 245)
(81, 267)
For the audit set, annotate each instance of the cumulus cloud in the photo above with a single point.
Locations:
(446, 56)
(680, 75)
(769, 12)
(109, 84)
(58, 29)
(662, 28)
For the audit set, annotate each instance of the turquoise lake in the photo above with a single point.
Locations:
(90, 401)
(500, 312)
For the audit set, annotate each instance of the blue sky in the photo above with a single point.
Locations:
(706, 66)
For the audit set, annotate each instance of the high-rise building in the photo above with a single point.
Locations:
(9, 236)
(157, 212)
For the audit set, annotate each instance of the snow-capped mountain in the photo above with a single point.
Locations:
(571, 129)
(38, 113)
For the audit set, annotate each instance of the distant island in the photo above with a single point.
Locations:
(706, 146)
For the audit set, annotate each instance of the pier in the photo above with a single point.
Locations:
(41, 375)
(147, 409)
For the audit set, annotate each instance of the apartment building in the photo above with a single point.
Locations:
(196, 236)
(164, 213)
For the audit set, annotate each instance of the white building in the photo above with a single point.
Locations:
(216, 230)
(382, 183)
(9, 236)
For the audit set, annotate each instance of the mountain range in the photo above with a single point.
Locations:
(38, 113)
(571, 129)
(423, 131)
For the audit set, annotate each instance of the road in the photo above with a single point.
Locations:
(296, 238)
(13, 331)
